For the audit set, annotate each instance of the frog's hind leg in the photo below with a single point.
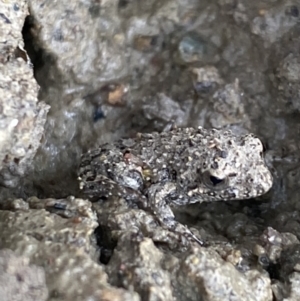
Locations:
(166, 218)
(157, 196)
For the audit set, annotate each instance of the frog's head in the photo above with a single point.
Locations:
(232, 169)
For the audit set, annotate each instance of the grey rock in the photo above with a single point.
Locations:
(22, 116)
(203, 275)
(19, 280)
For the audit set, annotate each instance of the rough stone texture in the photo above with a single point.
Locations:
(275, 21)
(62, 246)
(44, 228)
(22, 117)
(294, 280)
(203, 275)
(137, 264)
(228, 108)
(12, 21)
(20, 281)
(59, 33)
(287, 76)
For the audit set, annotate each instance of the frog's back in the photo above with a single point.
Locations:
(204, 164)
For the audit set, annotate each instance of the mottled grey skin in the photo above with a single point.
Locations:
(182, 166)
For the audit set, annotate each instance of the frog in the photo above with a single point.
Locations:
(159, 170)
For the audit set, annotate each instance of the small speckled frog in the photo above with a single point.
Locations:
(180, 167)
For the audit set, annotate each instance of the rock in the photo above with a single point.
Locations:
(20, 281)
(203, 275)
(22, 116)
(136, 263)
(64, 247)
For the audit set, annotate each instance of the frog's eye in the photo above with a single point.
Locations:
(214, 182)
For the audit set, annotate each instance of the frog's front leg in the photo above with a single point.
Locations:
(158, 196)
